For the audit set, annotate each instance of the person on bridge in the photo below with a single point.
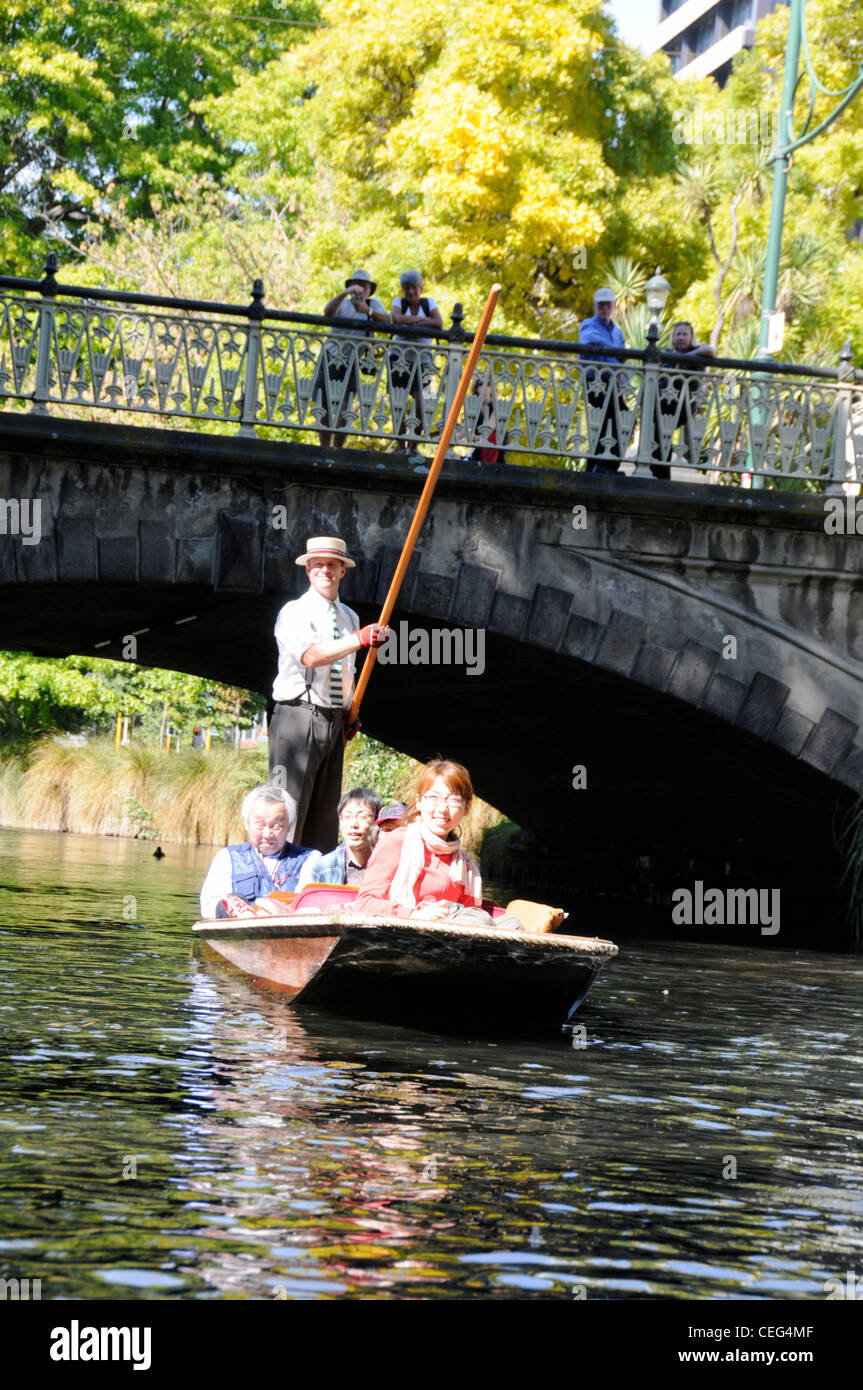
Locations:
(317, 638)
(603, 387)
(267, 861)
(675, 393)
(355, 307)
(411, 368)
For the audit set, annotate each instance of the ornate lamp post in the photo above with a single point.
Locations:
(656, 292)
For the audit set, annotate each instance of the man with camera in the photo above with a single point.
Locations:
(336, 378)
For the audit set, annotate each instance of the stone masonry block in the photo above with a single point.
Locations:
(621, 643)
(548, 615)
(654, 664)
(829, 741)
(118, 559)
(695, 665)
(474, 595)
(76, 544)
(792, 731)
(509, 615)
(762, 705)
(723, 697)
(581, 638)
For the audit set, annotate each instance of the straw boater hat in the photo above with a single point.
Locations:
(325, 548)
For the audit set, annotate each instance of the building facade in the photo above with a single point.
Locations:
(702, 37)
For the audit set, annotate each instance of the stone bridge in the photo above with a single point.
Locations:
(672, 673)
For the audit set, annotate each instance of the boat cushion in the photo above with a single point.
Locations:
(316, 897)
(536, 917)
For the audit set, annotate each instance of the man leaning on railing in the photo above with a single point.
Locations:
(603, 388)
(678, 396)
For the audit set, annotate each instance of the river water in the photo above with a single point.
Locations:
(168, 1131)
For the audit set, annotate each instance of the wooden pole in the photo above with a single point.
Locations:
(426, 495)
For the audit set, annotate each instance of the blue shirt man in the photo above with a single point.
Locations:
(602, 387)
(601, 329)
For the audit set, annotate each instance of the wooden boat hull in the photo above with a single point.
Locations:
(386, 968)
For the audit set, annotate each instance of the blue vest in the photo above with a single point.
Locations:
(249, 876)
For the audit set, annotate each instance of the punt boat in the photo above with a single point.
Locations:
(384, 967)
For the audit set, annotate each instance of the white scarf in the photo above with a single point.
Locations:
(403, 889)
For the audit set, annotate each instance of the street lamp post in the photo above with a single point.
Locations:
(656, 292)
(786, 144)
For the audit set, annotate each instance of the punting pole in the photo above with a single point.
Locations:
(426, 494)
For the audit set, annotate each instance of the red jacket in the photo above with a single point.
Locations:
(434, 883)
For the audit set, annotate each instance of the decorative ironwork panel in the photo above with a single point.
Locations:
(59, 354)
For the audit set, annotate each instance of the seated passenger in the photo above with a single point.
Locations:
(390, 817)
(241, 873)
(358, 811)
(419, 870)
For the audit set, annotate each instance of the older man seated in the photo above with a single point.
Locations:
(358, 811)
(267, 861)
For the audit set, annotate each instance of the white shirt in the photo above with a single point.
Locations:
(354, 319)
(300, 624)
(219, 880)
(404, 308)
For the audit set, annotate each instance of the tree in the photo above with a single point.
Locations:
(474, 143)
(724, 183)
(102, 102)
(41, 694)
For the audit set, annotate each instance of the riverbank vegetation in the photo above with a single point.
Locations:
(141, 791)
(76, 694)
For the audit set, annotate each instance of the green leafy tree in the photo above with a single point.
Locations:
(102, 102)
(42, 694)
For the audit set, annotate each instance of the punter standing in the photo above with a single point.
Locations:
(317, 637)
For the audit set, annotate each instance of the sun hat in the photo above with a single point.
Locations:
(604, 296)
(325, 548)
(362, 275)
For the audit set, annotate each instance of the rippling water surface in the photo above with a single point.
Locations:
(168, 1131)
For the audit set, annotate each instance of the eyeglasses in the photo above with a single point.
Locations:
(454, 803)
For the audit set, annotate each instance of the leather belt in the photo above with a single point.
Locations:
(328, 711)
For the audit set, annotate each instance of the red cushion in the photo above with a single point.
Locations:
(322, 895)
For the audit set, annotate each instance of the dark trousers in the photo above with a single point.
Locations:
(605, 398)
(306, 753)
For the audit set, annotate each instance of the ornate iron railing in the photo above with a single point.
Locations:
(66, 349)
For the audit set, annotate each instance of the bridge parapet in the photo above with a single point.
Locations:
(78, 352)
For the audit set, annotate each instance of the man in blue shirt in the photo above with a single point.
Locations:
(603, 391)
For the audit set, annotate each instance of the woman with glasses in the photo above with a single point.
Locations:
(420, 870)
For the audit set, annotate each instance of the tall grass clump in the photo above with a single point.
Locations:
(191, 797)
(197, 797)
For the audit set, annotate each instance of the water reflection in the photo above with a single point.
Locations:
(168, 1130)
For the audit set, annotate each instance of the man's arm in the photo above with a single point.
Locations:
(217, 885)
(332, 304)
(589, 333)
(325, 653)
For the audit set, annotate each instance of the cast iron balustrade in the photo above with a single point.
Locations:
(67, 350)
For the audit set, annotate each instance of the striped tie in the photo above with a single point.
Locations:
(336, 691)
